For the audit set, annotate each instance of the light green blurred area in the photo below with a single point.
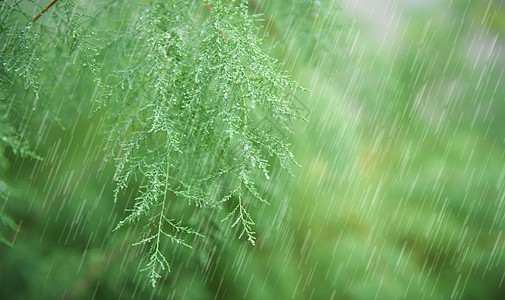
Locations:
(400, 194)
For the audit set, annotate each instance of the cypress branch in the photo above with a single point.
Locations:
(203, 103)
(191, 102)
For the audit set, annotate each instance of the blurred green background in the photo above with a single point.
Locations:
(400, 194)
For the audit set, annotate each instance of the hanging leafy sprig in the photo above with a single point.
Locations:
(28, 47)
(192, 110)
(32, 48)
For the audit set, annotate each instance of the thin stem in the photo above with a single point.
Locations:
(245, 106)
(162, 212)
(44, 10)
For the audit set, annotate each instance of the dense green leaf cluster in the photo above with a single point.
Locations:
(191, 110)
(18, 61)
(195, 108)
(27, 49)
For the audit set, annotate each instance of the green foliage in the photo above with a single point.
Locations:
(402, 186)
(190, 102)
(18, 61)
(185, 108)
(27, 49)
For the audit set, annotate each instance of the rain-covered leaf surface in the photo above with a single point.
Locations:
(152, 143)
